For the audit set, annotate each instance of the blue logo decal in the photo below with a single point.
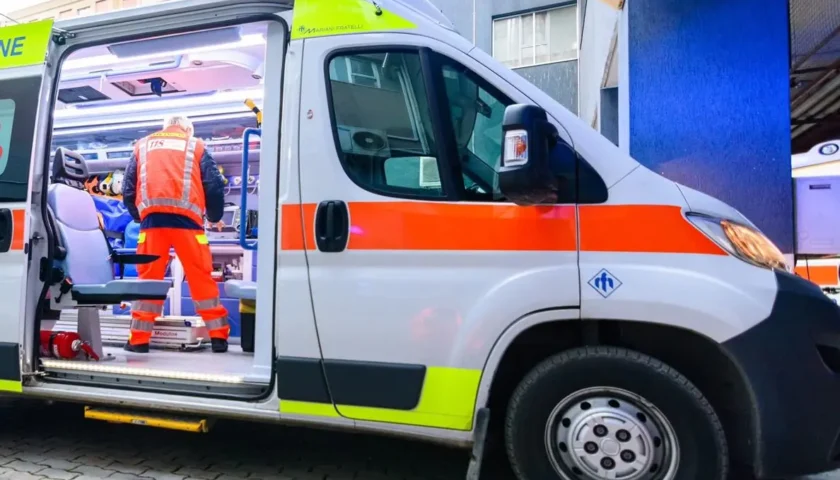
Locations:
(604, 283)
(829, 149)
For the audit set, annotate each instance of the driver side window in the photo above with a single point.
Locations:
(477, 111)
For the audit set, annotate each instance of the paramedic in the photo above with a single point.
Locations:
(171, 182)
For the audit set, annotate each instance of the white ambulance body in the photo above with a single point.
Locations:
(609, 322)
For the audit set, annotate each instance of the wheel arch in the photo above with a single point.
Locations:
(537, 336)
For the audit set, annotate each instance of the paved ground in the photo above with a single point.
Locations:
(39, 441)
(55, 442)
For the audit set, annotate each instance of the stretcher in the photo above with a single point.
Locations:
(181, 333)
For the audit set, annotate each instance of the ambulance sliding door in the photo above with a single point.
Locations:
(23, 50)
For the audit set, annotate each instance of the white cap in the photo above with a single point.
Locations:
(179, 121)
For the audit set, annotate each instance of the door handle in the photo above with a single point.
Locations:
(7, 227)
(332, 226)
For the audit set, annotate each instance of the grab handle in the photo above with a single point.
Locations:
(243, 202)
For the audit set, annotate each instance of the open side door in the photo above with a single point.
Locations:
(23, 119)
(162, 20)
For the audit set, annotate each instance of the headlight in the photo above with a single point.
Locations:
(742, 241)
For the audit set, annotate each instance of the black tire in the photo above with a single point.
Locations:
(703, 453)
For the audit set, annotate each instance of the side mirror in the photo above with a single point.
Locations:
(525, 175)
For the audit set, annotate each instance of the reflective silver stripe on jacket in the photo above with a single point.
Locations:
(139, 325)
(184, 201)
(216, 324)
(188, 168)
(148, 307)
(207, 304)
(169, 202)
(144, 187)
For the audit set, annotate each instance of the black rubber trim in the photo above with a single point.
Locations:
(301, 379)
(9, 361)
(107, 299)
(383, 385)
(795, 414)
(362, 384)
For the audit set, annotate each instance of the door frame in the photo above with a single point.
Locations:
(136, 24)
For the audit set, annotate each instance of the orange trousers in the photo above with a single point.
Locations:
(193, 251)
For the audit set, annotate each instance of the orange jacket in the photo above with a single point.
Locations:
(169, 175)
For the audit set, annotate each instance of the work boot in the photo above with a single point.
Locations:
(218, 345)
(139, 348)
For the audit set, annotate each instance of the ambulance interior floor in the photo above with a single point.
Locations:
(203, 365)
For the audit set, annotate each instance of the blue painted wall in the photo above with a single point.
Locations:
(709, 102)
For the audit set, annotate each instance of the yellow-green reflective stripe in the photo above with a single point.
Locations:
(11, 386)
(293, 407)
(25, 44)
(319, 18)
(447, 401)
(247, 306)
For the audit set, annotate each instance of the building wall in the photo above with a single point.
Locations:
(560, 80)
(557, 79)
(474, 20)
(599, 28)
(61, 9)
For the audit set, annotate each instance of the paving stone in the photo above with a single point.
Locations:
(59, 464)
(197, 473)
(21, 466)
(126, 476)
(56, 474)
(159, 465)
(21, 476)
(93, 460)
(30, 457)
(126, 469)
(93, 471)
(158, 475)
(7, 451)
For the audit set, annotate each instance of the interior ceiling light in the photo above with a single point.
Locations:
(170, 104)
(111, 60)
(64, 131)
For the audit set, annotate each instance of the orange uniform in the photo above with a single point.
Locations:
(170, 180)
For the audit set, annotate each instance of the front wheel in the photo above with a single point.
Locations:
(612, 413)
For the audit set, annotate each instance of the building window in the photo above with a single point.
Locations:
(129, 3)
(102, 6)
(362, 71)
(83, 11)
(65, 14)
(538, 37)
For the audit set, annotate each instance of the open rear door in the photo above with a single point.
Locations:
(23, 50)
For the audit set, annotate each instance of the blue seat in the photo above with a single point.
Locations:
(241, 289)
(88, 261)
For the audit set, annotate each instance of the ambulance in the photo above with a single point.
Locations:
(443, 253)
(816, 183)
